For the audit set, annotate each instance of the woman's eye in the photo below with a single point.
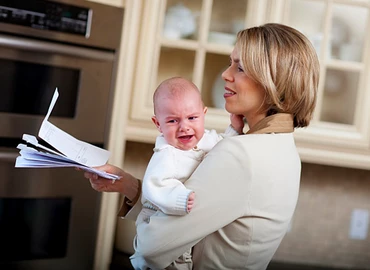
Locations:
(240, 69)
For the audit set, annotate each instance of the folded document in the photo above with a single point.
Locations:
(69, 152)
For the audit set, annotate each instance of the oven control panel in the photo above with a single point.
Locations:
(47, 15)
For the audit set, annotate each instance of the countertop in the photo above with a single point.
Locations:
(121, 261)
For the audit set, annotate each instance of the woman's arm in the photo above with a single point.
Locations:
(221, 187)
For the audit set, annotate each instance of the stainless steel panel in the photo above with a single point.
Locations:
(55, 183)
(95, 59)
(105, 28)
(48, 47)
(94, 92)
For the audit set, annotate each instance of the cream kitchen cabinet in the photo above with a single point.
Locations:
(127, 52)
(339, 30)
(117, 3)
(194, 38)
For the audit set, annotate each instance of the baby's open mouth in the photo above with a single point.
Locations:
(186, 137)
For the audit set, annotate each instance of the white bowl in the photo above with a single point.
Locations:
(221, 38)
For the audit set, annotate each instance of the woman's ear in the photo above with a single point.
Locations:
(156, 123)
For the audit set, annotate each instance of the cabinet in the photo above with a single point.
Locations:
(200, 52)
(116, 141)
(339, 133)
(117, 3)
(339, 31)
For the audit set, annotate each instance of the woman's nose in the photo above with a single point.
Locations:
(226, 74)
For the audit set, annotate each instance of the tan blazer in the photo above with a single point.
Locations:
(246, 192)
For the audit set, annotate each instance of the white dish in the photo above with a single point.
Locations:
(179, 22)
(221, 38)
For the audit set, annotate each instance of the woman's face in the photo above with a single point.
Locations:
(181, 119)
(243, 95)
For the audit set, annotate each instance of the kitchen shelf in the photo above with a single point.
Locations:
(339, 133)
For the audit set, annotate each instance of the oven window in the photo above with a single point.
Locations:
(33, 228)
(27, 88)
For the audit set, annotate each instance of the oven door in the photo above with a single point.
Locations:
(48, 217)
(32, 69)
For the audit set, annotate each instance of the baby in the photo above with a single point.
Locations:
(181, 146)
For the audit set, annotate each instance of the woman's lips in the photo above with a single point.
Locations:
(228, 93)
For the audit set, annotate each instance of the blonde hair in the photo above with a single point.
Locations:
(283, 61)
(174, 86)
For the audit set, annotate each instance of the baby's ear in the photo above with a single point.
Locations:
(205, 110)
(156, 123)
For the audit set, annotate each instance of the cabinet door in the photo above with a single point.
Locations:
(192, 39)
(117, 3)
(339, 31)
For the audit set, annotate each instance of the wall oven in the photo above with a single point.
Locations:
(49, 217)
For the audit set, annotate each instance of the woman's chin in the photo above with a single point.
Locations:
(226, 107)
(229, 108)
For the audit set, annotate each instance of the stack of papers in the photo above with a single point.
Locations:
(67, 151)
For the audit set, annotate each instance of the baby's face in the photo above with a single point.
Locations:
(181, 119)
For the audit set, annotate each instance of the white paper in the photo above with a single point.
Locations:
(73, 152)
(74, 149)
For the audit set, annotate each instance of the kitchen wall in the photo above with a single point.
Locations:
(319, 233)
(320, 228)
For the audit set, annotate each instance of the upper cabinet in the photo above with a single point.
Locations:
(194, 39)
(339, 30)
(117, 3)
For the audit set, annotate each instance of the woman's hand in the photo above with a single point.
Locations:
(102, 184)
(126, 185)
(237, 122)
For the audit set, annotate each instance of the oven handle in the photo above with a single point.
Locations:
(48, 47)
(8, 156)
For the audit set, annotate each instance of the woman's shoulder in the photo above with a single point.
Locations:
(245, 138)
(256, 141)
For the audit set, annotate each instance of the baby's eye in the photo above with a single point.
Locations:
(171, 121)
(192, 117)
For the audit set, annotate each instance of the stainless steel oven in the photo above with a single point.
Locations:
(49, 217)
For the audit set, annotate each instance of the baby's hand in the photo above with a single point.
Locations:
(237, 122)
(190, 202)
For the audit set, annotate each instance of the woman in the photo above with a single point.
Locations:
(247, 186)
